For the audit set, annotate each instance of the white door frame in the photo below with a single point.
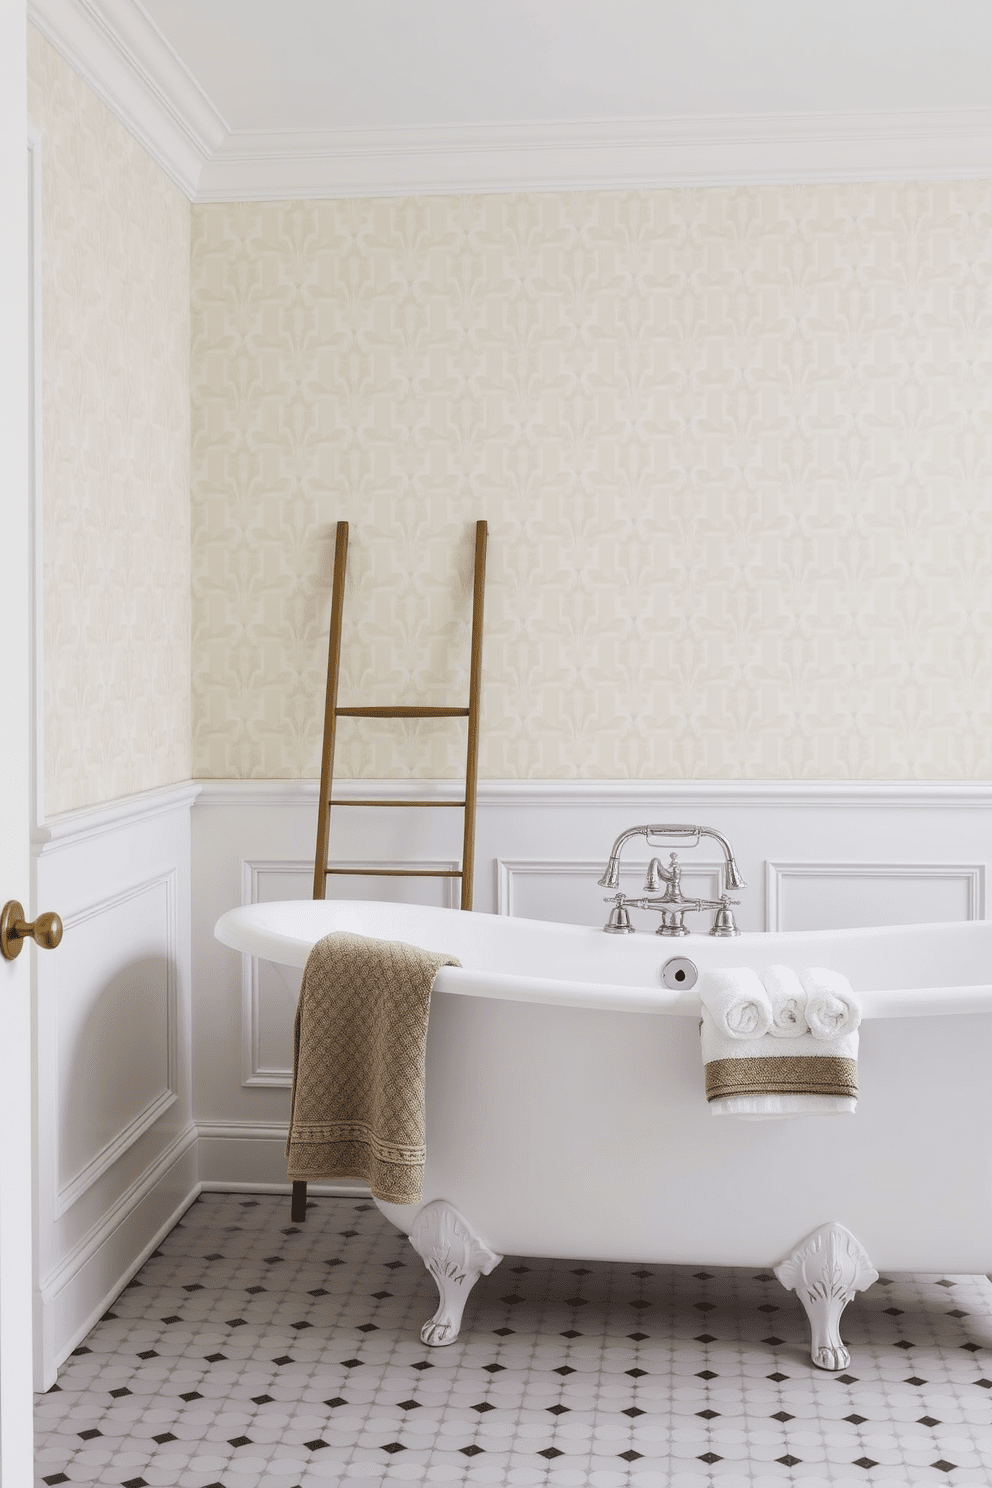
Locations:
(16, 1125)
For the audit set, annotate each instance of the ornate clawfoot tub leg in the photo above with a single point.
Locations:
(456, 1258)
(825, 1270)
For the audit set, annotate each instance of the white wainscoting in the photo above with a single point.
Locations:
(797, 895)
(116, 1139)
(164, 1056)
(551, 889)
(114, 1053)
(813, 854)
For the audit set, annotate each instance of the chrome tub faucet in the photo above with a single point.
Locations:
(672, 903)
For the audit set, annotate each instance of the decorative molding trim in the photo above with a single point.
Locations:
(100, 1232)
(509, 870)
(70, 1193)
(53, 1291)
(253, 1133)
(127, 811)
(608, 154)
(973, 875)
(254, 1073)
(117, 50)
(238, 1131)
(897, 794)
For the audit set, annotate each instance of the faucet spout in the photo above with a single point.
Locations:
(673, 905)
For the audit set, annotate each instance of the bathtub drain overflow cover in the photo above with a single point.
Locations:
(679, 974)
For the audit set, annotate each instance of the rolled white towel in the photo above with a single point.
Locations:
(832, 1009)
(782, 1072)
(737, 1002)
(788, 999)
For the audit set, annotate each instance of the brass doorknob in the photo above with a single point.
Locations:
(45, 931)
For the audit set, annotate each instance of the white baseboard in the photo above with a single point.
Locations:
(342, 1188)
(77, 1294)
(222, 1157)
(250, 1157)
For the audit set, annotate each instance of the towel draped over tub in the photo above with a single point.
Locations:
(359, 1046)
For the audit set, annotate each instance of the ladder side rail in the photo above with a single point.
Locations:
(330, 711)
(474, 692)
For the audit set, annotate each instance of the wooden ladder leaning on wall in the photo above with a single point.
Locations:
(332, 713)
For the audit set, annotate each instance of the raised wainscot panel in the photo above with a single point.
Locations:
(115, 1030)
(567, 890)
(831, 896)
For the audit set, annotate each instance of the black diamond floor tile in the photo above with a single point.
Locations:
(324, 1284)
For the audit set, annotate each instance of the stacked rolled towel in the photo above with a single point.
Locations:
(774, 1045)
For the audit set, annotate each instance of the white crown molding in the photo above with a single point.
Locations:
(130, 66)
(125, 59)
(967, 795)
(601, 155)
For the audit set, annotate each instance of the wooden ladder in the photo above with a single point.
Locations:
(332, 713)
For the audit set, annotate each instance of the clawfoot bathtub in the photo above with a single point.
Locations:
(566, 1113)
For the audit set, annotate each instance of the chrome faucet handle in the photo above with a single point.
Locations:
(724, 923)
(619, 920)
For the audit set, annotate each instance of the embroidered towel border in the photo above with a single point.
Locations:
(788, 1075)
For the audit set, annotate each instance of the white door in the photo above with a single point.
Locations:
(16, 1470)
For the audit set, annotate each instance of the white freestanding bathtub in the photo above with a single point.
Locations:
(566, 1113)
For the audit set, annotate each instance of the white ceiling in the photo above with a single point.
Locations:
(320, 64)
(277, 98)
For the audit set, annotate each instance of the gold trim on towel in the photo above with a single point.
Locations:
(790, 1074)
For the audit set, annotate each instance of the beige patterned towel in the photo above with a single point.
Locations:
(357, 1108)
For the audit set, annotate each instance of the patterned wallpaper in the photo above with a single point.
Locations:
(116, 541)
(734, 446)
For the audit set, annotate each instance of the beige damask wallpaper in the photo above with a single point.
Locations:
(734, 447)
(116, 540)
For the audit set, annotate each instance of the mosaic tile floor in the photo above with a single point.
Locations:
(252, 1351)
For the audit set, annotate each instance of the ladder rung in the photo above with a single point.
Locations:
(395, 803)
(400, 872)
(401, 712)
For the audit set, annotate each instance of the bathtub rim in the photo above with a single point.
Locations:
(250, 929)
